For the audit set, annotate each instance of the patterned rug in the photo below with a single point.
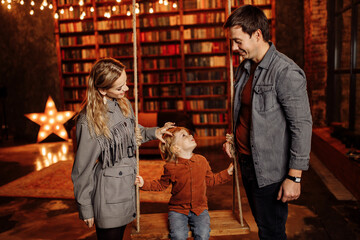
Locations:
(55, 182)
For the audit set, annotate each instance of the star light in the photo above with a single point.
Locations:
(51, 121)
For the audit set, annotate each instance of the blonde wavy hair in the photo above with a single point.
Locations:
(102, 76)
(166, 149)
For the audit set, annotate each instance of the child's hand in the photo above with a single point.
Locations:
(230, 169)
(139, 180)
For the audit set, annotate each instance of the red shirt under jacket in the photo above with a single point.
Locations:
(189, 179)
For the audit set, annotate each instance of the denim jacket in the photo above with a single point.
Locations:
(281, 123)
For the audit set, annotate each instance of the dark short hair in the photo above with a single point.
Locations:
(250, 19)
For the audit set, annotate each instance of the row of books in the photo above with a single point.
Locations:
(71, 2)
(126, 37)
(211, 61)
(79, 94)
(201, 33)
(112, 24)
(199, 18)
(75, 13)
(202, 4)
(168, 105)
(166, 77)
(161, 63)
(208, 132)
(173, 34)
(164, 91)
(76, 107)
(162, 21)
(78, 53)
(75, 81)
(83, 26)
(116, 51)
(251, 2)
(157, 7)
(77, 40)
(76, 67)
(168, 49)
(204, 47)
(205, 75)
(209, 118)
(206, 104)
(205, 90)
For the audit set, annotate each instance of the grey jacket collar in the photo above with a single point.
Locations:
(111, 104)
(265, 62)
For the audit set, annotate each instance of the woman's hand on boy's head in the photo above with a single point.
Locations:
(164, 130)
(139, 180)
(230, 169)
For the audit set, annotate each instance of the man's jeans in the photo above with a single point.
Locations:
(199, 225)
(270, 214)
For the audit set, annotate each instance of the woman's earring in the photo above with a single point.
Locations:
(104, 99)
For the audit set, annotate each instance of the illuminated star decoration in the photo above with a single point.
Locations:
(51, 121)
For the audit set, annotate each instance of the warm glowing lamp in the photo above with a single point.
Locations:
(51, 121)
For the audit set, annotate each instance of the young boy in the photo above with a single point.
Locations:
(189, 174)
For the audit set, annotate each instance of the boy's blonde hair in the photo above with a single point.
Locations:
(166, 149)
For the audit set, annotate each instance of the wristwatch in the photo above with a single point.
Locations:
(295, 179)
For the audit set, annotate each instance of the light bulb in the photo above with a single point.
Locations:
(119, 1)
(128, 13)
(2, 1)
(161, 1)
(41, 7)
(151, 10)
(166, 2)
(137, 10)
(113, 8)
(81, 2)
(8, 1)
(92, 9)
(174, 5)
(56, 15)
(9, 6)
(50, 6)
(32, 12)
(71, 8)
(44, 3)
(32, 3)
(22, 2)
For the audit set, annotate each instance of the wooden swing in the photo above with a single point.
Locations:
(155, 226)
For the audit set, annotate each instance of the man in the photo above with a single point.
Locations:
(272, 121)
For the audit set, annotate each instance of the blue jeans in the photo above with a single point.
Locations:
(199, 225)
(270, 214)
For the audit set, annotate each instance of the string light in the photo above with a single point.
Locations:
(81, 2)
(62, 11)
(32, 3)
(9, 1)
(128, 13)
(161, 1)
(56, 15)
(151, 10)
(174, 5)
(137, 10)
(71, 8)
(41, 7)
(166, 2)
(9, 6)
(118, 1)
(2, 1)
(50, 6)
(44, 3)
(32, 11)
(22, 2)
(113, 8)
(92, 9)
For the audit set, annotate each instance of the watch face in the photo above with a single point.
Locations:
(297, 179)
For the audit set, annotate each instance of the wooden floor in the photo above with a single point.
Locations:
(155, 226)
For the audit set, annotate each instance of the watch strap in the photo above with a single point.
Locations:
(295, 179)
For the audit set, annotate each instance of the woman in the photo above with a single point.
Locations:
(104, 169)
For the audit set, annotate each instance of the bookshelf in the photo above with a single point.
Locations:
(182, 54)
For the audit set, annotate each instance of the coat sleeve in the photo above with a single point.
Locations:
(293, 97)
(82, 175)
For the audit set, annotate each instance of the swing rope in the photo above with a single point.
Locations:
(137, 130)
(233, 152)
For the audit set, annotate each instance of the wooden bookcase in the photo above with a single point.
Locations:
(182, 54)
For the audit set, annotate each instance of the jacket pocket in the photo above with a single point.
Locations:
(119, 184)
(263, 97)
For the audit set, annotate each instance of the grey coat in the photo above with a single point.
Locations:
(104, 170)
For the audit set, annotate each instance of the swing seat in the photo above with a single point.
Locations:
(155, 226)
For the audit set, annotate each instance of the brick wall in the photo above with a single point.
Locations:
(315, 55)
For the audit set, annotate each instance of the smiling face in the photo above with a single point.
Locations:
(118, 89)
(184, 141)
(247, 46)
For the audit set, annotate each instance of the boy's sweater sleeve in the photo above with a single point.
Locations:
(160, 184)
